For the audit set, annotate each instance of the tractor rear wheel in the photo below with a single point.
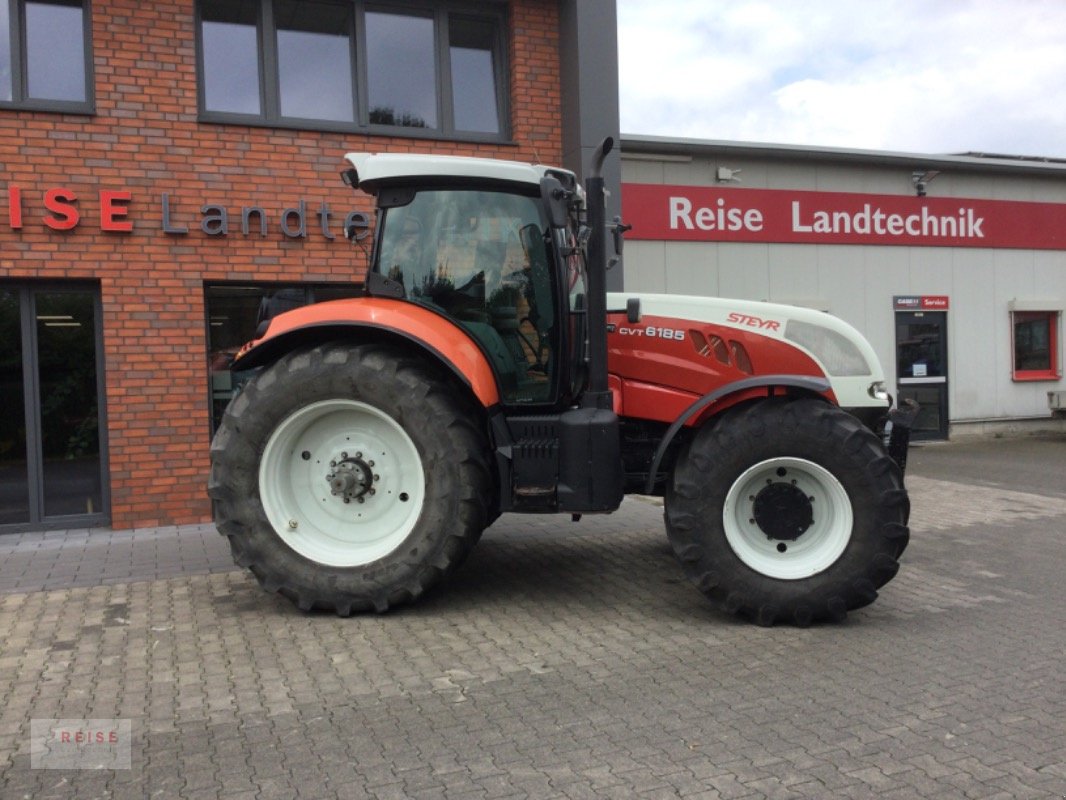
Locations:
(787, 511)
(349, 477)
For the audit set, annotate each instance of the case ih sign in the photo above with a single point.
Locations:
(702, 214)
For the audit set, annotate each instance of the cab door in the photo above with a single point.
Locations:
(482, 259)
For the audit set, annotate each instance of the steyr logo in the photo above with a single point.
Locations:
(753, 322)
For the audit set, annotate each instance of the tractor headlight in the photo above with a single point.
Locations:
(879, 392)
(837, 353)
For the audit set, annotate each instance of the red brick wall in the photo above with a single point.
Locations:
(145, 139)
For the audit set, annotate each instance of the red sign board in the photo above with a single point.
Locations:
(715, 214)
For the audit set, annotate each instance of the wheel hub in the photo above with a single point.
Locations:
(783, 511)
(342, 482)
(351, 478)
(770, 523)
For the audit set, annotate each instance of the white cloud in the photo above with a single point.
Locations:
(932, 76)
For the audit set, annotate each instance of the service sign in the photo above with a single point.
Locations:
(914, 302)
(729, 214)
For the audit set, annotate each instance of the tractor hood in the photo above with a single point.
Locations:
(842, 353)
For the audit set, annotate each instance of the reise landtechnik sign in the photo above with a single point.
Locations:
(708, 214)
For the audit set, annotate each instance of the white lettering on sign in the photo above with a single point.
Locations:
(651, 332)
(965, 225)
(720, 218)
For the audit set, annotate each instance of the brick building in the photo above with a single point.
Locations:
(168, 168)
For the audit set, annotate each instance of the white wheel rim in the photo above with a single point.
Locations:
(813, 550)
(333, 437)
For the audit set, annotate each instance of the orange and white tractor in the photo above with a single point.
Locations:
(486, 370)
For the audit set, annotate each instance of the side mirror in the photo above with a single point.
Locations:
(555, 199)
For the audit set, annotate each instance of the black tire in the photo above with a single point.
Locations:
(751, 459)
(389, 391)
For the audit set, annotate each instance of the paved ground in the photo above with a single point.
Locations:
(562, 661)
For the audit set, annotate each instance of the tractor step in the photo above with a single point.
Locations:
(562, 462)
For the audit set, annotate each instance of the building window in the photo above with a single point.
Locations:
(315, 60)
(234, 311)
(415, 69)
(471, 49)
(45, 58)
(401, 70)
(1035, 336)
(230, 57)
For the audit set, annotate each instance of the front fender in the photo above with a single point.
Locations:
(438, 336)
(811, 384)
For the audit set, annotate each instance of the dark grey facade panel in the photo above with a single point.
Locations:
(588, 52)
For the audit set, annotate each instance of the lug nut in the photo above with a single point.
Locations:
(293, 524)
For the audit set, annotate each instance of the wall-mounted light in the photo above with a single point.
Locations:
(727, 175)
(921, 178)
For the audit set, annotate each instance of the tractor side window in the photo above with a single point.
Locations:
(481, 258)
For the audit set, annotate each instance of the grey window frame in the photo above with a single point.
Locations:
(440, 13)
(19, 70)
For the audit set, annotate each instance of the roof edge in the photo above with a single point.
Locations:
(671, 146)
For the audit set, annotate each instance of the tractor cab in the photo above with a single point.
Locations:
(484, 253)
(483, 259)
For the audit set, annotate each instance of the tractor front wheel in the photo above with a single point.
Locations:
(787, 511)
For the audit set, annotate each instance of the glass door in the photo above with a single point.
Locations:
(51, 450)
(14, 468)
(922, 369)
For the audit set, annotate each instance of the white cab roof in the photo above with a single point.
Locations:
(376, 167)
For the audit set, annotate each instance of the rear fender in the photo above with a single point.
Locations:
(377, 318)
(729, 395)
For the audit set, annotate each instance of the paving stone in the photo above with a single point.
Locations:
(561, 661)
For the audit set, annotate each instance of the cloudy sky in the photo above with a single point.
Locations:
(939, 76)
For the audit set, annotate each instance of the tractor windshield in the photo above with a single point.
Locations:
(481, 258)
